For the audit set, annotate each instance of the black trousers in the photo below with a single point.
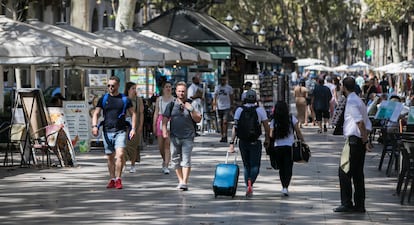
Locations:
(355, 175)
(283, 156)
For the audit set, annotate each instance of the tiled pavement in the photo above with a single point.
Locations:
(78, 195)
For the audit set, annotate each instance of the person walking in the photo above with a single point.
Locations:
(182, 115)
(134, 146)
(282, 128)
(332, 103)
(195, 93)
(163, 142)
(114, 106)
(356, 130)
(301, 93)
(222, 102)
(321, 101)
(310, 84)
(248, 120)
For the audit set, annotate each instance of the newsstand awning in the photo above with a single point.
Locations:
(259, 55)
(217, 52)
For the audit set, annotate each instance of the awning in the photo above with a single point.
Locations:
(217, 52)
(103, 48)
(188, 53)
(259, 55)
(30, 60)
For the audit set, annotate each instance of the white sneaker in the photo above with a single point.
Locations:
(165, 170)
(285, 192)
(132, 169)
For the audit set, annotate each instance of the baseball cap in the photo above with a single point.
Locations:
(248, 83)
(250, 96)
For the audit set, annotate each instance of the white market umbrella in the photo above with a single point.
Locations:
(360, 65)
(308, 61)
(388, 67)
(401, 70)
(341, 68)
(409, 70)
(318, 68)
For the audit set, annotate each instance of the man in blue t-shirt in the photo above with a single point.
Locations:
(114, 129)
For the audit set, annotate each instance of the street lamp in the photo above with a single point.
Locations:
(255, 26)
(228, 20)
(236, 27)
(280, 40)
(261, 38)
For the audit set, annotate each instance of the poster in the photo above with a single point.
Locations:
(98, 80)
(92, 96)
(76, 113)
(138, 75)
(389, 110)
(67, 141)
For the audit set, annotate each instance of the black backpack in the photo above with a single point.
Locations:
(248, 125)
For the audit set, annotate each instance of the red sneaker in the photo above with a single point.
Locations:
(111, 184)
(118, 183)
(249, 192)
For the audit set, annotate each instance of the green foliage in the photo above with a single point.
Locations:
(388, 11)
(307, 24)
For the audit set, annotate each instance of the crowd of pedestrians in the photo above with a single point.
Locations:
(319, 98)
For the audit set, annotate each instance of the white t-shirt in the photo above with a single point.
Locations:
(192, 90)
(287, 141)
(331, 87)
(355, 111)
(294, 76)
(222, 94)
(261, 112)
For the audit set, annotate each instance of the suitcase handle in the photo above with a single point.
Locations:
(235, 157)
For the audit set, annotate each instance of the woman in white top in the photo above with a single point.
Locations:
(160, 106)
(282, 128)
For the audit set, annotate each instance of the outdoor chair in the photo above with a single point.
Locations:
(391, 145)
(46, 144)
(407, 172)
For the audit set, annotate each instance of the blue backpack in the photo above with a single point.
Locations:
(124, 100)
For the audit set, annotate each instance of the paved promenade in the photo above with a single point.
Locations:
(79, 195)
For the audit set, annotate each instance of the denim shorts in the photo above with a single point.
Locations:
(181, 149)
(224, 114)
(117, 139)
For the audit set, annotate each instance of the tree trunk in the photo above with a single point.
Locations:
(79, 15)
(396, 54)
(125, 15)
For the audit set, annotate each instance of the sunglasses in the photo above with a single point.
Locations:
(111, 85)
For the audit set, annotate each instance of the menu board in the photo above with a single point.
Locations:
(410, 120)
(389, 110)
(76, 115)
(92, 96)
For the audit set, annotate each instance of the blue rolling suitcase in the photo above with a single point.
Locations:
(226, 178)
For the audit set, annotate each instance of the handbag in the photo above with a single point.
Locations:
(300, 151)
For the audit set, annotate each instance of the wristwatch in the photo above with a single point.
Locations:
(93, 126)
(231, 142)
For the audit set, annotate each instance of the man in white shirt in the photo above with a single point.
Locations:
(195, 93)
(222, 102)
(356, 130)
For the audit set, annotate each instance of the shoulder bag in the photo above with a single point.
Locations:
(300, 151)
